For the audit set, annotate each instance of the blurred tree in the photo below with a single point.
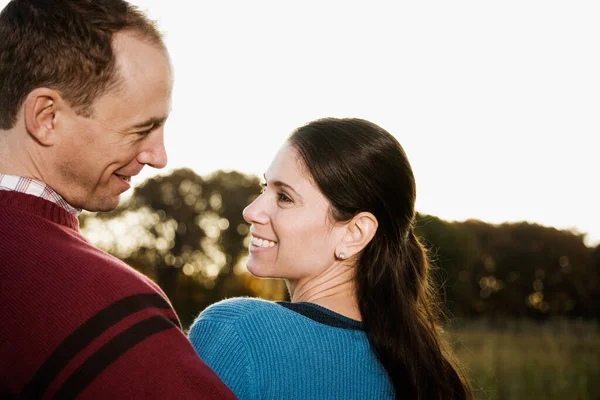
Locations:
(595, 295)
(513, 269)
(530, 270)
(188, 234)
(453, 252)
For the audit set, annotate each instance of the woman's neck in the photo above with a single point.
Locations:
(333, 290)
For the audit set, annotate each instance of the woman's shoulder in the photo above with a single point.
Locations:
(237, 308)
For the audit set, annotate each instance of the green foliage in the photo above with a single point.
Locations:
(452, 252)
(516, 269)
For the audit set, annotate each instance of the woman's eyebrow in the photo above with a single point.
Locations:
(278, 183)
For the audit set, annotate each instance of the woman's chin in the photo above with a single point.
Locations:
(258, 271)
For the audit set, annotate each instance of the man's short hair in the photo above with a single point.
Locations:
(65, 45)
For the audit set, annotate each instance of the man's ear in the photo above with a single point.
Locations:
(360, 231)
(40, 110)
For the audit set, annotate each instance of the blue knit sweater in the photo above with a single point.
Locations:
(266, 350)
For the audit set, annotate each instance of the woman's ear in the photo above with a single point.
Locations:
(360, 231)
(39, 113)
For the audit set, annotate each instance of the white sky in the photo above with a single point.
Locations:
(497, 104)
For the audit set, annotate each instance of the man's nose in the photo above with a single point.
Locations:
(154, 152)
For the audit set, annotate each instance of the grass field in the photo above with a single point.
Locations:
(520, 360)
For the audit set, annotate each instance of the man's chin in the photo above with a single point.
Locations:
(100, 205)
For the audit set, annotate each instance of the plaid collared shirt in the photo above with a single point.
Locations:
(35, 188)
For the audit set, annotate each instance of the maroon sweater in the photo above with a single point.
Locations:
(76, 322)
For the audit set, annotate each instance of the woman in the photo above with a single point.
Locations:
(335, 220)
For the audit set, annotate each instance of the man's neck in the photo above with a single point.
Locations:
(16, 158)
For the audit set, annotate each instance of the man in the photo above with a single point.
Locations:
(85, 89)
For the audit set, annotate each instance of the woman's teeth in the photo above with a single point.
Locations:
(125, 178)
(262, 242)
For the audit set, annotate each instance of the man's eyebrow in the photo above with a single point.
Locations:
(150, 122)
(284, 185)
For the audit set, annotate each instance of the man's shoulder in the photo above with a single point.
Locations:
(52, 254)
(27, 210)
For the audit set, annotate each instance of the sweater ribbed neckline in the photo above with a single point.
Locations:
(323, 315)
(38, 206)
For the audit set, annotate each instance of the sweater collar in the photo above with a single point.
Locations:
(36, 188)
(323, 315)
(34, 205)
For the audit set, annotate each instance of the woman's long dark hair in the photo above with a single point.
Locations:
(358, 166)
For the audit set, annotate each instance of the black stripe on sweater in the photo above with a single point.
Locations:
(84, 335)
(322, 315)
(108, 353)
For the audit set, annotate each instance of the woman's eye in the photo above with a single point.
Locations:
(283, 197)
